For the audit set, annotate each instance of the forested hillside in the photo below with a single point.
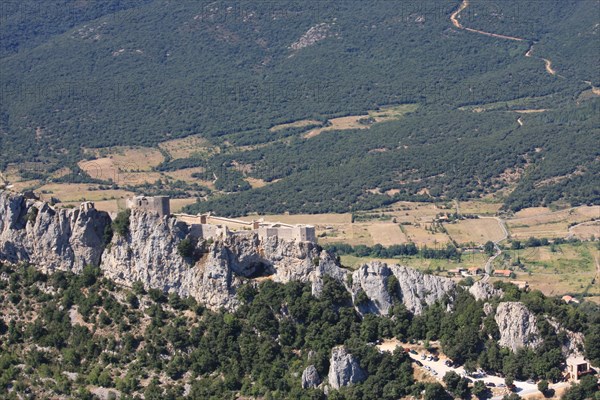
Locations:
(94, 74)
(69, 336)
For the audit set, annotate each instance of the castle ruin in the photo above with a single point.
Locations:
(208, 226)
(157, 204)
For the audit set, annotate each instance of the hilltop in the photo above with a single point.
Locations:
(226, 100)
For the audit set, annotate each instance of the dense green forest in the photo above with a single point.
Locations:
(94, 74)
(64, 334)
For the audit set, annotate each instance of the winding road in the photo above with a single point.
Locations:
(454, 18)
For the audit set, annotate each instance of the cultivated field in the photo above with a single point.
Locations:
(543, 222)
(186, 147)
(78, 192)
(124, 165)
(570, 268)
(387, 234)
(475, 230)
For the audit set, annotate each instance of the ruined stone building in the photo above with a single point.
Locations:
(156, 204)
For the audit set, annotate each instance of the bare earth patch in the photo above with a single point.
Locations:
(186, 147)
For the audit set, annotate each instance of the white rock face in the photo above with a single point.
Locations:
(484, 291)
(344, 370)
(63, 239)
(70, 239)
(414, 287)
(149, 254)
(517, 326)
(310, 378)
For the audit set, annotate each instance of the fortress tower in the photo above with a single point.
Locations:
(156, 204)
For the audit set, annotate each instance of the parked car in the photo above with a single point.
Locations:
(413, 351)
(501, 385)
(490, 384)
(436, 358)
(531, 382)
(448, 363)
(419, 363)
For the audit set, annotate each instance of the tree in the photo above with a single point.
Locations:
(509, 381)
(185, 248)
(121, 222)
(435, 391)
(543, 386)
(490, 248)
(480, 390)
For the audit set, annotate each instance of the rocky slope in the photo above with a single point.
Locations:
(413, 288)
(65, 239)
(517, 325)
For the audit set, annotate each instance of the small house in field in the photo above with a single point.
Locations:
(577, 367)
(503, 273)
(456, 271)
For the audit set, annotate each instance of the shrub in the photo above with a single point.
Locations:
(121, 222)
(185, 248)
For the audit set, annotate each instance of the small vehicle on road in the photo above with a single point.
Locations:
(490, 384)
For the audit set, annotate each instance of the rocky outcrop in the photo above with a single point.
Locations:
(344, 370)
(64, 239)
(517, 325)
(413, 288)
(484, 291)
(310, 378)
(149, 254)
(69, 239)
(573, 343)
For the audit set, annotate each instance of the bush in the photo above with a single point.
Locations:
(185, 248)
(121, 222)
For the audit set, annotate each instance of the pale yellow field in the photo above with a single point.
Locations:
(386, 234)
(586, 231)
(78, 192)
(352, 121)
(479, 207)
(124, 165)
(475, 230)
(419, 235)
(256, 183)
(178, 204)
(123, 158)
(186, 176)
(185, 147)
(542, 222)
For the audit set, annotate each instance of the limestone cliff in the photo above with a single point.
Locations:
(149, 254)
(413, 288)
(69, 239)
(484, 291)
(517, 325)
(65, 239)
(344, 370)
